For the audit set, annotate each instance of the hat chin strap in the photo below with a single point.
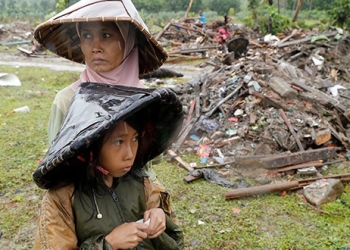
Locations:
(102, 170)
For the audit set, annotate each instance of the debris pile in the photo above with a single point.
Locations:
(19, 34)
(281, 104)
(16, 33)
(265, 106)
(190, 38)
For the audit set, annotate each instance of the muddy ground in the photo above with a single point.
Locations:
(189, 70)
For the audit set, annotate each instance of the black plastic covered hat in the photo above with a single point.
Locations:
(94, 110)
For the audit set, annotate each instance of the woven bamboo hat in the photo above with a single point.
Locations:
(95, 109)
(59, 34)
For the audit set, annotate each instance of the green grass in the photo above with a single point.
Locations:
(269, 221)
(23, 142)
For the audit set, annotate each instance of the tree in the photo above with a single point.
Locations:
(253, 5)
(63, 4)
(300, 3)
(189, 8)
(222, 7)
(339, 13)
(149, 5)
(178, 5)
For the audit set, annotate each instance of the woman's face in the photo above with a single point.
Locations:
(102, 45)
(119, 150)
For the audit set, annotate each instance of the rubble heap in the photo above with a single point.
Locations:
(281, 104)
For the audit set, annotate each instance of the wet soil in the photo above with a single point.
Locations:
(189, 70)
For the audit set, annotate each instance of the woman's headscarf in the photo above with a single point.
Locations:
(127, 73)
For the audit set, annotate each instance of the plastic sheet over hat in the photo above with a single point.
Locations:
(96, 108)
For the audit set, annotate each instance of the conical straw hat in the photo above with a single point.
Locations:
(59, 34)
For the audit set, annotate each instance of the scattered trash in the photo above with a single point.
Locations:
(201, 222)
(334, 90)
(203, 152)
(236, 210)
(24, 109)
(7, 79)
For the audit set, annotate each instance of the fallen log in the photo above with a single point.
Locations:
(284, 186)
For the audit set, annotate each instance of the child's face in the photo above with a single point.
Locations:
(118, 151)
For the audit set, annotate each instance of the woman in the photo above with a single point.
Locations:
(94, 172)
(110, 38)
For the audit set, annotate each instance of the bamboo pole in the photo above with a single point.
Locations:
(283, 186)
(188, 8)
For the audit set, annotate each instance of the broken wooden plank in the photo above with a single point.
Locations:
(285, 159)
(224, 100)
(26, 51)
(182, 163)
(320, 96)
(190, 178)
(294, 32)
(193, 50)
(304, 40)
(166, 27)
(184, 134)
(291, 129)
(189, 115)
(298, 166)
(268, 102)
(227, 141)
(193, 28)
(339, 137)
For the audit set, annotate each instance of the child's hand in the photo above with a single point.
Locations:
(157, 223)
(127, 235)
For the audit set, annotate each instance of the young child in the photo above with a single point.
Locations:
(99, 196)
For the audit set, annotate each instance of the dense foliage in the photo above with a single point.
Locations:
(36, 7)
(339, 13)
(270, 16)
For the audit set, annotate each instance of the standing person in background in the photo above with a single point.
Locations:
(98, 194)
(202, 18)
(113, 42)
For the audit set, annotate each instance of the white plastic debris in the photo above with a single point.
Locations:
(334, 89)
(9, 80)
